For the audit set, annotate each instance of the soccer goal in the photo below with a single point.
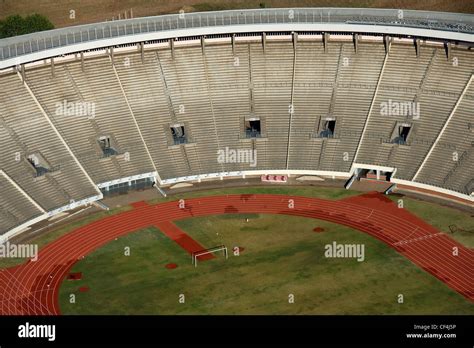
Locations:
(203, 252)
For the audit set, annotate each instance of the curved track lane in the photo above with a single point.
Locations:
(33, 287)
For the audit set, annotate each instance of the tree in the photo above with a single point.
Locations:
(37, 22)
(17, 25)
(12, 26)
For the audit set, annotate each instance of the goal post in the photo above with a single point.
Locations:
(212, 250)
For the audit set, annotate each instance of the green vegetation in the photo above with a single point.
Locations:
(321, 192)
(281, 256)
(306, 191)
(439, 216)
(442, 217)
(17, 25)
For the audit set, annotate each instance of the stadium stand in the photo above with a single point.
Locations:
(229, 81)
(33, 155)
(112, 120)
(15, 207)
(160, 103)
(411, 79)
(272, 78)
(315, 76)
(356, 86)
(146, 91)
(451, 164)
(186, 80)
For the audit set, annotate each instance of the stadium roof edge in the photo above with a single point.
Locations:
(41, 45)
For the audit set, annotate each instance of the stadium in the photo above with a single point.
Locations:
(264, 161)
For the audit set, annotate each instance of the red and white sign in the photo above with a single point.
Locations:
(274, 178)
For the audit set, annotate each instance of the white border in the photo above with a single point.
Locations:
(74, 205)
(127, 179)
(433, 188)
(243, 174)
(236, 29)
(236, 174)
(372, 167)
(21, 228)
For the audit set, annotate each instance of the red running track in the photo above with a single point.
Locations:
(33, 287)
(182, 239)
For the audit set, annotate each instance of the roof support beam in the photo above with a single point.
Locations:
(111, 50)
(171, 44)
(23, 74)
(325, 42)
(447, 48)
(387, 42)
(203, 44)
(294, 37)
(417, 47)
(82, 61)
(233, 44)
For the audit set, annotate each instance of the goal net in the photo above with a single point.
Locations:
(200, 254)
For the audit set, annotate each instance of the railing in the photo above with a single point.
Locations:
(249, 134)
(41, 171)
(108, 152)
(326, 134)
(469, 187)
(180, 140)
(40, 41)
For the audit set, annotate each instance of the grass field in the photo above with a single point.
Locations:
(281, 256)
(441, 217)
(437, 215)
(322, 192)
(90, 11)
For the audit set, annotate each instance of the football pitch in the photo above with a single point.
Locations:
(281, 268)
